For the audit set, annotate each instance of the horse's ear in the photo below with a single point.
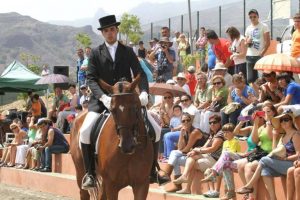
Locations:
(105, 86)
(135, 82)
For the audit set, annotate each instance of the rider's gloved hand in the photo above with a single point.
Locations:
(106, 100)
(144, 98)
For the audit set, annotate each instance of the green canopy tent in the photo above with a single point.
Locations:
(18, 78)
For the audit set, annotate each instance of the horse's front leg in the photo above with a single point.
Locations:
(140, 191)
(110, 190)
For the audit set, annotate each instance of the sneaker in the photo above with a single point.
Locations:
(213, 194)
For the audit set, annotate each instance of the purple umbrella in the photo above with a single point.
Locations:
(52, 78)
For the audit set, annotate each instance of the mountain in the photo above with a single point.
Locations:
(54, 44)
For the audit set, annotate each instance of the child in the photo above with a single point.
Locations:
(230, 145)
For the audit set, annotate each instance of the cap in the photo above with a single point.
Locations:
(181, 75)
(83, 87)
(253, 11)
(191, 69)
(219, 66)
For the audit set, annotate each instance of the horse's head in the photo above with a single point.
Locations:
(125, 108)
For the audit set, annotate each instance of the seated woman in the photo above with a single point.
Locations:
(293, 181)
(189, 138)
(240, 93)
(219, 95)
(274, 165)
(56, 143)
(204, 157)
(9, 152)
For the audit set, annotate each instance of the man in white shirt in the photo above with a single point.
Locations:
(258, 41)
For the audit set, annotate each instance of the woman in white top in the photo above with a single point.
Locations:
(238, 49)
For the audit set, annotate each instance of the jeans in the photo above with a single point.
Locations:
(177, 159)
(161, 141)
(241, 68)
(230, 118)
(274, 167)
(251, 72)
(170, 140)
(47, 154)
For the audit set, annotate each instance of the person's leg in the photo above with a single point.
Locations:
(297, 182)
(170, 139)
(249, 172)
(268, 180)
(251, 72)
(190, 161)
(290, 183)
(161, 141)
(224, 118)
(13, 152)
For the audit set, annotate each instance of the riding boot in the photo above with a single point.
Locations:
(88, 181)
(175, 187)
(155, 177)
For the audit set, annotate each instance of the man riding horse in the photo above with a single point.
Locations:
(110, 62)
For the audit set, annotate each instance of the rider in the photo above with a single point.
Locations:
(110, 62)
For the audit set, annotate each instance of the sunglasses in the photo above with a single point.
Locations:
(284, 120)
(186, 120)
(184, 100)
(217, 83)
(213, 122)
(168, 97)
(180, 79)
(266, 75)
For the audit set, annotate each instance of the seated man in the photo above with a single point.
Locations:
(60, 101)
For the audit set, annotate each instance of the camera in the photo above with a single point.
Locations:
(164, 46)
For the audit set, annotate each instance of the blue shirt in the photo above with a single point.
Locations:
(175, 121)
(236, 98)
(293, 89)
(81, 75)
(211, 60)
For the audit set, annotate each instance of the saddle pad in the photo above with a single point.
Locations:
(96, 134)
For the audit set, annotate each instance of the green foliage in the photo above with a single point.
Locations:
(83, 40)
(189, 60)
(130, 27)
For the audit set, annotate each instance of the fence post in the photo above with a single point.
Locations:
(151, 31)
(244, 7)
(220, 21)
(181, 23)
(198, 25)
(271, 20)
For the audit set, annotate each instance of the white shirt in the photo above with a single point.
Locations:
(236, 49)
(112, 49)
(256, 33)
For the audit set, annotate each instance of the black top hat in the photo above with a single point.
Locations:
(108, 21)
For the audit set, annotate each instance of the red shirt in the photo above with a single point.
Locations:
(191, 82)
(222, 51)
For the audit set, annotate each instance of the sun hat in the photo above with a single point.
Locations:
(165, 40)
(219, 66)
(170, 81)
(83, 87)
(276, 120)
(13, 125)
(180, 75)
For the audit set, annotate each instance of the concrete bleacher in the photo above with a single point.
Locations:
(62, 181)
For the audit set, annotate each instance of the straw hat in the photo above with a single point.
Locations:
(165, 40)
(180, 75)
(276, 120)
(219, 66)
(13, 125)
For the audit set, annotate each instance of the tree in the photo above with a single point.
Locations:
(83, 39)
(130, 26)
(32, 62)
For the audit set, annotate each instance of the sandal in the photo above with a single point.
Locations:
(209, 176)
(180, 180)
(244, 190)
(183, 191)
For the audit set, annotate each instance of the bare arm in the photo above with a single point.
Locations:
(194, 136)
(267, 43)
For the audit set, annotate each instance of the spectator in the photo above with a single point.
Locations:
(203, 95)
(258, 41)
(270, 90)
(36, 107)
(295, 48)
(187, 105)
(62, 116)
(220, 46)
(84, 94)
(293, 181)
(60, 101)
(220, 69)
(45, 70)
(181, 82)
(56, 143)
(201, 45)
(28, 100)
(211, 59)
(165, 58)
(238, 49)
(81, 69)
(202, 158)
(240, 93)
(141, 50)
(84, 66)
(9, 153)
(189, 138)
(191, 79)
(182, 47)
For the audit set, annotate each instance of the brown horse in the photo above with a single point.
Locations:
(125, 151)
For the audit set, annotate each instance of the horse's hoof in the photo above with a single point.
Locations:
(89, 183)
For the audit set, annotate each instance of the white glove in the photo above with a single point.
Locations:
(106, 100)
(144, 98)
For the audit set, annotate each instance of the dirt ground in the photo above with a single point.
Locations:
(15, 193)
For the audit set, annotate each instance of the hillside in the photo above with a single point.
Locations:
(54, 44)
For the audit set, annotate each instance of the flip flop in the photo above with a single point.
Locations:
(244, 190)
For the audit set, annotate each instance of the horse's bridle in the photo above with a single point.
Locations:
(134, 127)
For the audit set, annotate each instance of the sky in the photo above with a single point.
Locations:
(48, 10)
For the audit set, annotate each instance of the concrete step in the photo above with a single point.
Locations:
(63, 163)
(65, 185)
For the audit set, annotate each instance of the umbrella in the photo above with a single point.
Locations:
(278, 63)
(162, 88)
(52, 78)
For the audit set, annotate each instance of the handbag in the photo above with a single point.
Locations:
(231, 107)
(279, 151)
(215, 106)
(257, 155)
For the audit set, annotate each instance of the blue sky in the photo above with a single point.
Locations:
(46, 10)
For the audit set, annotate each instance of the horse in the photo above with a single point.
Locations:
(125, 151)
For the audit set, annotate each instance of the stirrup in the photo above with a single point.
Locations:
(89, 186)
